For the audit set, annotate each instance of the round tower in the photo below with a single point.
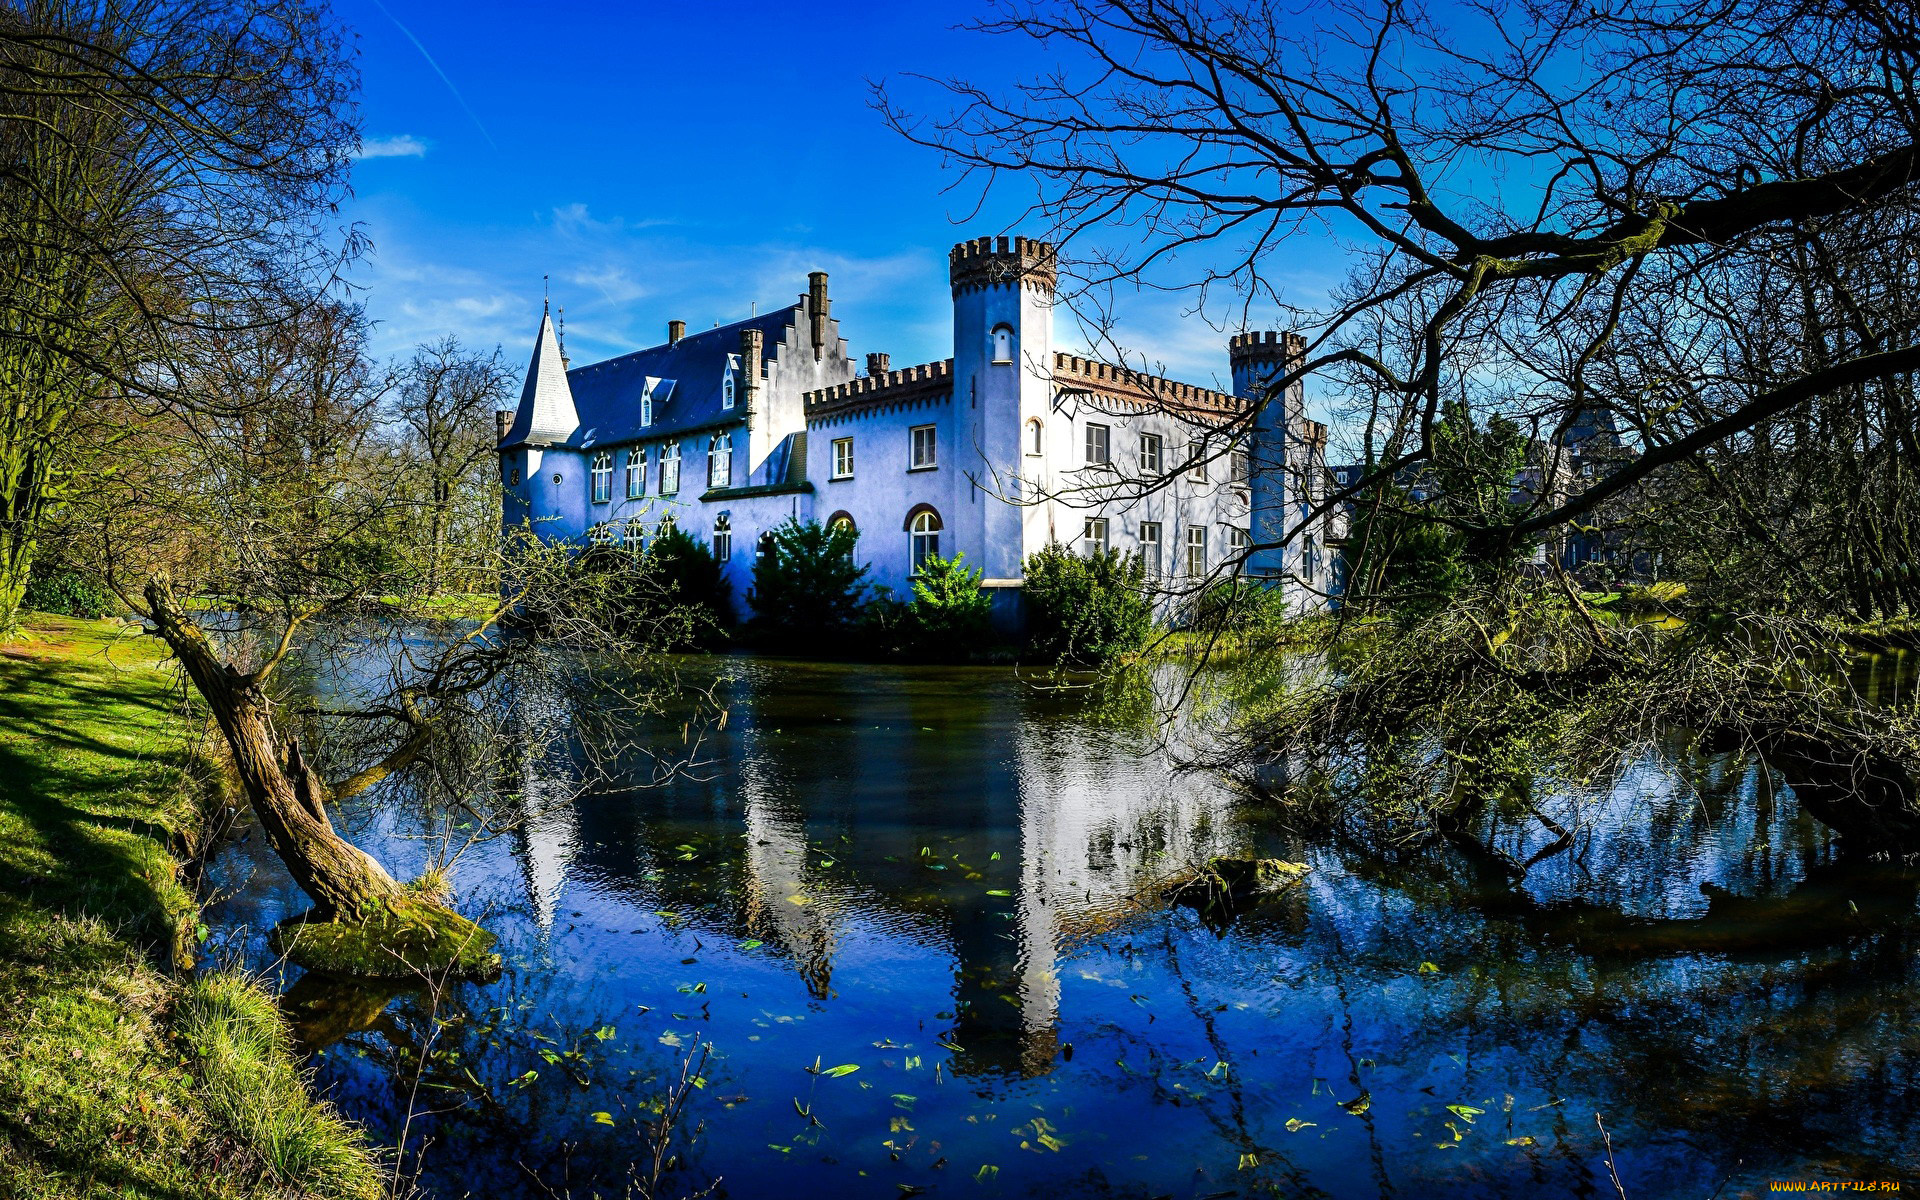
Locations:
(1003, 297)
(1275, 459)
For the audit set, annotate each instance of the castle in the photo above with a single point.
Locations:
(1007, 446)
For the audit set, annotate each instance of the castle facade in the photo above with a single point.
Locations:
(1007, 446)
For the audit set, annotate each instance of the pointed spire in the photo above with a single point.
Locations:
(546, 414)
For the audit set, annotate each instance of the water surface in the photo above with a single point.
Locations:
(950, 881)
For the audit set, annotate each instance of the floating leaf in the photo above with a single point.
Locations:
(524, 1080)
(998, 892)
(899, 1124)
(799, 899)
(842, 1069)
(987, 1171)
(995, 856)
(781, 1149)
(604, 1033)
(1522, 1141)
(1466, 1112)
(1249, 1161)
(902, 1100)
(752, 944)
(1359, 1104)
(1050, 1142)
(1427, 968)
(603, 1118)
(1295, 1124)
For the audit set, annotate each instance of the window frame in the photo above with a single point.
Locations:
(722, 537)
(1098, 438)
(932, 462)
(834, 471)
(1197, 470)
(670, 469)
(923, 543)
(1036, 439)
(1000, 345)
(1197, 540)
(600, 478)
(636, 480)
(1240, 465)
(727, 385)
(1156, 462)
(1238, 542)
(1150, 535)
(720, 453)
(1096, 536)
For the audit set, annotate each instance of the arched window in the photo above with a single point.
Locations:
(602, 477)
(726, 388)
(720, 461)
(670, 469)
(601, 534)
(1034, 435)
(636, 533)
(667, 525)
(840, 519)
(723, 537)
(636, 472)
(923, 537)
(1003, 343)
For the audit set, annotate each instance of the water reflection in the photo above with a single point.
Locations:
(950, 879)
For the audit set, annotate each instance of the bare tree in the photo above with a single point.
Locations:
(1516, 182)
(444, 405)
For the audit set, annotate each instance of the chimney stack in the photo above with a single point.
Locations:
(877, 365)
(502, 421)
(675, 331)
(750, 347)
(818, 305)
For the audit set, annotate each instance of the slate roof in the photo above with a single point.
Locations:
(684, 378)
(546, 414)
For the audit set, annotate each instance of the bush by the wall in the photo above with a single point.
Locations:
(1239, 605)
(1086, 610)
(674, 588)
(69, 594)
(950, 616)
(806, 586)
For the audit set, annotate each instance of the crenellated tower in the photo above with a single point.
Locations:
(1277, 459)
(1003, 298)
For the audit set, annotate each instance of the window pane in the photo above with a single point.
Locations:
(1097, 445)
(1150, 454)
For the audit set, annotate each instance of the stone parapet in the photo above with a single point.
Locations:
(992, 262)
(891, 387)
(1127, 386)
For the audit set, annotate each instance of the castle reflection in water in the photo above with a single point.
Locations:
(977, 815)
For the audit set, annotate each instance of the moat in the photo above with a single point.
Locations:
(947, 880)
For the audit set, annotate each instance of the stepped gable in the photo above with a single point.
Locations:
(928, 381)
(607, 393)
(1123, 385)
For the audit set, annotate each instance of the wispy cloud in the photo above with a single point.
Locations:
(444, 78)
(400, 145)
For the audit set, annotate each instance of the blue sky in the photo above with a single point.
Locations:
(663, 161)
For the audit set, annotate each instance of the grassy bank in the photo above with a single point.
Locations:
(120, 1076)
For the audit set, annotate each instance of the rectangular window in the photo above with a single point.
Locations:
(1197, 461)
(1093, 539)
(843, 458)
(720, 461)
(1150, 547)
(1237, 543)
(922, 456)
(602, 476)
(1240, 465)
(670, 469)
(1196, 551)
(1097, 445)
(1150, 456)
(636, 473)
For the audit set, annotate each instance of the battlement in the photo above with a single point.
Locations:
(890, 387)
(1266, 346)
(988, 262)
(1137, 387)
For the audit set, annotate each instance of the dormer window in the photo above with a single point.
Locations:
(1003, 343)
(726, 381)
(646, 408)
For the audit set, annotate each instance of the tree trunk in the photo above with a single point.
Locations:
(286, 795)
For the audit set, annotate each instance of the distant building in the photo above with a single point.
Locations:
(994, 453)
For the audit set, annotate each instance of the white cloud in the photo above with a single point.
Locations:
(400, 145)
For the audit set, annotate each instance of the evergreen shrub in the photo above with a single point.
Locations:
(1086, 610)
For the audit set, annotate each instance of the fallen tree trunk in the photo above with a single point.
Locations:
(364, 922)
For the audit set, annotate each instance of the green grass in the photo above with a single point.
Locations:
(118, 1076)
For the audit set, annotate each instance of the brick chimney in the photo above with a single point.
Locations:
(818, 305)
(877, 365)
(675, 331)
